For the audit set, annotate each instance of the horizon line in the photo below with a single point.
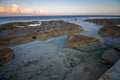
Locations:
(60, 15)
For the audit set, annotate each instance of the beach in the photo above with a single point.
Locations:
(59, 47)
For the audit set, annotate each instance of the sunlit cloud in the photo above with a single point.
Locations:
(2, 9)
(14, 9)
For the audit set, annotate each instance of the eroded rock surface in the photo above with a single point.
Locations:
(110, 56)
(5, 55)
(110, 26)
(113, 73)
(46, 30)
(15, 25)
(79, 41)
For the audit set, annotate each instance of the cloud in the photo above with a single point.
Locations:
(26, 11)
(2, 9)
(14, 9)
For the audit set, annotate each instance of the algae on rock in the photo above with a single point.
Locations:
(5, 55)
(79, 41)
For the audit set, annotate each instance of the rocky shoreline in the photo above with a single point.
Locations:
(46, 30)
(110, 26)
(81, 57)
(12, 34)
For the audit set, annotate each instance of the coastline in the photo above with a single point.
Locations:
(52, 59)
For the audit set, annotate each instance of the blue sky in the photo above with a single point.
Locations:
(64, 7)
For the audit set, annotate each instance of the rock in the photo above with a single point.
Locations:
(79, 41)
(110, 26)
(113, 31)
(83, 71)
(58, 28)
(95, 47)
(16, 40)
(79, 72)
(71, 57)
(118, 48)
(113, 73)
(110, 56)
(71, 61)
(46, 30)
(5, 55)
(15, 25)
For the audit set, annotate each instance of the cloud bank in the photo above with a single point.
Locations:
(14, 9)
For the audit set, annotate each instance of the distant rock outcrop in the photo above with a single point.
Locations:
(5, 55)
(110, 26)
(15, 25)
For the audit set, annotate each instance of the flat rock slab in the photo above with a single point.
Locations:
(79, 41)
(46, 30)
(113, 73)
(15, 25)
(110, 56)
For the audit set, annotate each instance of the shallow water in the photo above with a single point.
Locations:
(51, 60)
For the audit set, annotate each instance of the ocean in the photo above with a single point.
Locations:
(41, 18)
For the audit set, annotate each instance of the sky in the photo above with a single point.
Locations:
(59, 7)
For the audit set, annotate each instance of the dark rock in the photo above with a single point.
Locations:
(6, 54)
(95, 47)
(118, 48)
(113, 73)
(34, 37)
(110, 26)
(110, 56)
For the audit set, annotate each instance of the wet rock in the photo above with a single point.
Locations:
(113, 31)
(72, 57)
(58, 28)
(5, 55)
(78, 73)
(110, 26)
(46, 30)
(79, 41)
(75, 19)
(16, 40)
(83, 72)
(95, 47)
(34, 37)
(118, 48)
(110, 56)
(113, 73)
(71, 61)
(15, 25)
